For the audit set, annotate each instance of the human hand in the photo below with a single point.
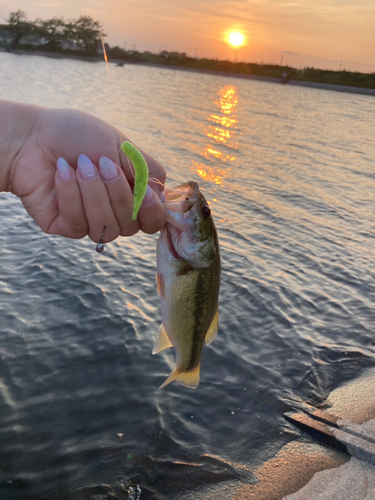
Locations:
(91, 186)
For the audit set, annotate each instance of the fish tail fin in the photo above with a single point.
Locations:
(188, 379)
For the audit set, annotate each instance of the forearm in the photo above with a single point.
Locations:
(17, 122)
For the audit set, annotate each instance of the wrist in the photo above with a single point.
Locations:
(17, 122)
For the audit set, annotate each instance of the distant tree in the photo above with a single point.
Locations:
(19, 26)
(117, 53)
(52, 30)
(178, 55)
(85, 32)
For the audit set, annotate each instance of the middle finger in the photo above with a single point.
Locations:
(96, 203)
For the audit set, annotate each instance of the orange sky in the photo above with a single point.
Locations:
(300, 33)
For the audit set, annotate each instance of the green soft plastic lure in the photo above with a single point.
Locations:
(141, 174)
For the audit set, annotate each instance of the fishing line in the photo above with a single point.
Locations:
(131, 167)
(151, 179)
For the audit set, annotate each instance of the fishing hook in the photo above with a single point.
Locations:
(100, 245)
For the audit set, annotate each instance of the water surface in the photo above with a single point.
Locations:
(290, 177)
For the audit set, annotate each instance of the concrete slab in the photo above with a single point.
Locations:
(289, 470)
(359, 447)
(355, 401)
(339, 462)
(353, 481)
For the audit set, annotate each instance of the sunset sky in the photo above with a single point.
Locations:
(300, 33)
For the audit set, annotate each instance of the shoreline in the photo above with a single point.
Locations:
(302, 467)
(299, 83)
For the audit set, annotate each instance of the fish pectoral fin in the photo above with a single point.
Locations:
(184, 268)
(162, 342)
(160, 285)
(212, 331)
(188, 379)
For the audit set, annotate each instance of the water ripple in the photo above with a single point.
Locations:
(289, 175)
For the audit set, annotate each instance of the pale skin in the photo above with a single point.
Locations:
(71, 175)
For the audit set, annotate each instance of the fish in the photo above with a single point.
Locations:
(188, 281)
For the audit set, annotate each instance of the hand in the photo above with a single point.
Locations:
(91, 186)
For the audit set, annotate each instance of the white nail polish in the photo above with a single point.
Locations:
(85, 167)
(63, 170)
(107, 168)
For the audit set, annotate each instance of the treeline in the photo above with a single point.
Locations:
(81, 35)
(351, 78)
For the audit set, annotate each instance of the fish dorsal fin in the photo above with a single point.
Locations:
(162, 342)
(160, 285)
(212, 331)
(188, 379)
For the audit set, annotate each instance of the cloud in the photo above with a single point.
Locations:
(48, 4)
(291, 53)
(9, 5)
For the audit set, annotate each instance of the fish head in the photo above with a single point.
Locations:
(190, 225)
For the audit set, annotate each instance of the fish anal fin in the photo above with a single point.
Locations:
(188, 379)
(160, 285)
(212, 331)
(162, 342)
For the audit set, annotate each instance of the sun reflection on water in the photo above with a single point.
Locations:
(220, 131)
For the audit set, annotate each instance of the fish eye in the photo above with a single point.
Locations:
(205, 212)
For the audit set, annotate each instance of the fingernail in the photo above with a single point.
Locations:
(85, 167)
(63, 170)
(107, 168)
(149, 196)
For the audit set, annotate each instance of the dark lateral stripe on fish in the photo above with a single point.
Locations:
(205, 279)
(199, 294)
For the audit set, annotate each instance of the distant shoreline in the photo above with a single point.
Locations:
(324, 86)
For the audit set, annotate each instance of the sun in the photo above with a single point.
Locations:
(235, 38)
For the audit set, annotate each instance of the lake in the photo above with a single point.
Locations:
(289, 172)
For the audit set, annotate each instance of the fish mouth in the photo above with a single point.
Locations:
(182, 197)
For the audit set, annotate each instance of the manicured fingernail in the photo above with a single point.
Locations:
(107, 168)
(63, 170)
(85, 167)
(149, 196)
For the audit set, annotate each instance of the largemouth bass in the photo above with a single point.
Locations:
(188, 280)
